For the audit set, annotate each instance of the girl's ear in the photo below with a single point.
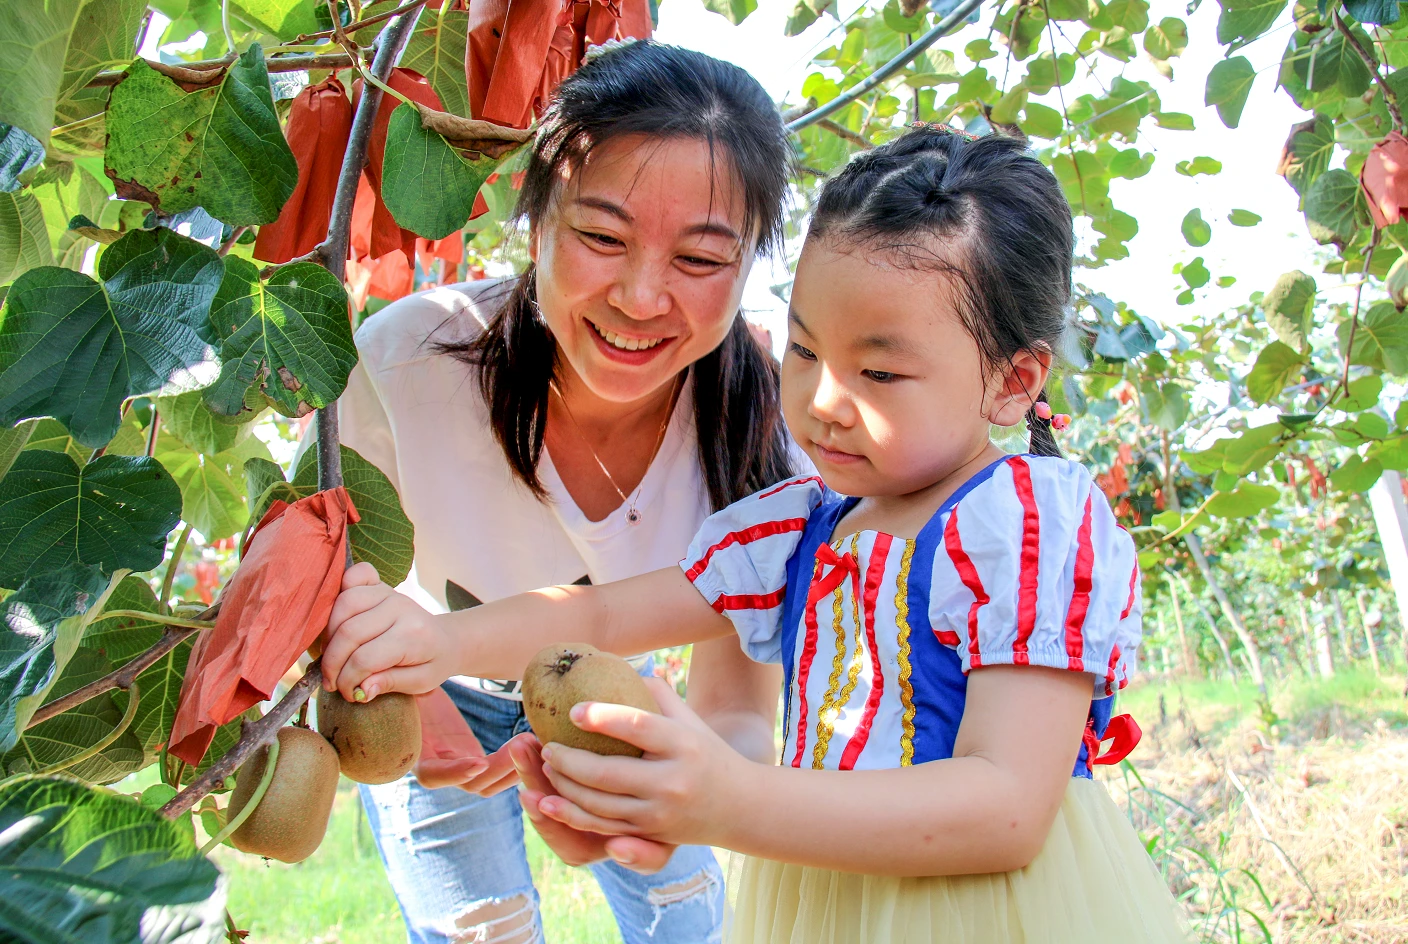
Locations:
(1023, 378)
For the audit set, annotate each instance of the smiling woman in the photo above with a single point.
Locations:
(576, 424)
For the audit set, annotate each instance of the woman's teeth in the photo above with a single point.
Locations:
(626, 344)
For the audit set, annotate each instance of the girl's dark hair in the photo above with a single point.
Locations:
(666, 93)
(1006, 227)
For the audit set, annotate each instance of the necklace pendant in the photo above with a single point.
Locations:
(632, 516)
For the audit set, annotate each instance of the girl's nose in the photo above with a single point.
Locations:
(831, 402)
(640, 292)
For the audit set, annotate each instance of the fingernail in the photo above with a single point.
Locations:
(547, 753)
(621, 858)
(358, 694)
(579, 712)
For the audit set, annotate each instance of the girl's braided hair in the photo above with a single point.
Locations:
(982, 211)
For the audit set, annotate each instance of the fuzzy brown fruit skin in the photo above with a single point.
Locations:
(562, 675)
(376, 741)
(292, 816)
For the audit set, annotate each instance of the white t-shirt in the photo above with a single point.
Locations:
(419, 417)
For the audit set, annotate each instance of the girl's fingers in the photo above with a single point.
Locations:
(623, 775)
(647, 731)
(354, 601)
(596, 802)
(388, 650)
(412, 679)
(359, 575)
(346, 637)
(639, 855)
(569, 814)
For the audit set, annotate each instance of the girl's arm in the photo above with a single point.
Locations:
(382, 641)
(988, 809)
(735, 696)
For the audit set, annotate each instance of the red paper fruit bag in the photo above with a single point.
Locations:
(1385, 179)
(273, 608)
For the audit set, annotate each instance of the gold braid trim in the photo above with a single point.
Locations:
(906, 690)
(826, 715)
(853, 675)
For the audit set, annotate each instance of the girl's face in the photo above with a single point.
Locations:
(882, 386)
(641, 261)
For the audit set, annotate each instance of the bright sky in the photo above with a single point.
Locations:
(1159, 200)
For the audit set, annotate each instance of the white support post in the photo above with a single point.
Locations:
(1391, 517)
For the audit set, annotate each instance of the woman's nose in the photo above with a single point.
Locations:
(831, 402)
(640, 292)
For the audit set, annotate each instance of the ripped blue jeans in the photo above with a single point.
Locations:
(458, 865)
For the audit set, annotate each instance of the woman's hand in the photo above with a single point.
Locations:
(681, 791)
(450, 754)
(382, 641)
(573, 846)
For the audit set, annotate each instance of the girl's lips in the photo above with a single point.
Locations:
(633, 358)
(835, 457)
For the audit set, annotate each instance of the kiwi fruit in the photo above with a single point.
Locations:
(291, 818)
(376, 741)
(562, 675)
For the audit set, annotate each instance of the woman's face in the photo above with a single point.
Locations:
(641, 261)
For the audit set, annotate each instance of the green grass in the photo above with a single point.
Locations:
(340, 894)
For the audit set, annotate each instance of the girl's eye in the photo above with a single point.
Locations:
(601, 239)
(880, 376)
(801, 352)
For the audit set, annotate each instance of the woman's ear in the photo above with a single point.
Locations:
(533, 236)
(1023, 377)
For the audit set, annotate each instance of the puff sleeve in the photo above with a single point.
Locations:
(1032, 569)
(738, 560)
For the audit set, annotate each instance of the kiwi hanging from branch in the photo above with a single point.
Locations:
(376, 741)
(292, 817)
(560, 676)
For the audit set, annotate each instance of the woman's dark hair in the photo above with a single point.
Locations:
(667, 93)
(1005, 224)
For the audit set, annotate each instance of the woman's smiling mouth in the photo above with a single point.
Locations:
(625, 344)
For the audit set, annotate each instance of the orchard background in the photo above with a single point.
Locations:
(195, 195)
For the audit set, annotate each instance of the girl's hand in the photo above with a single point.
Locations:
(681, 791)
(382, 641)
(573, 846)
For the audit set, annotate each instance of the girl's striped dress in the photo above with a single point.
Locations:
(1024, 565)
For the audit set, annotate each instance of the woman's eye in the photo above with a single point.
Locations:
(800, 351)
(879, 376)
(704, 263)
(601, 238)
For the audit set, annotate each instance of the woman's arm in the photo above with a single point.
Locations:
(988, 809)
(381, 641)
(735, 696)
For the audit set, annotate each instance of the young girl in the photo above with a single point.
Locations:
(952, 622)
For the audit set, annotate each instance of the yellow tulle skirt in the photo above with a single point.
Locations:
(1092, 882)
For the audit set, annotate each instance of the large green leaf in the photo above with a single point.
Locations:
(61, 737)
(1307, 153)
(114, 512)
(74, 349)
(24, 242)
(735, 11)
(1289, 308)
(1277, 366)
(1167, 39)
(50, 435)
(1380, 340)
(428, 186)
(1229, 84)
(289, 338)
(85, 865)
(1335, 207)
(103, 38)
(43, 624)
(1244, 20)
(1195, 229)
(1356, 475)
(1244, 501)
(384, 535)
(212, 486)
(1334, 64)
(33, 44)
(81, 195)
(436, 51)
(220, 148)
(187, 418)
(282, 18)
(12, 440)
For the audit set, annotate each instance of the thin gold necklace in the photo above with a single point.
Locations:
(632, 515)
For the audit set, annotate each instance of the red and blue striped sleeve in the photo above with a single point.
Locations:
(738, 560)
(1033, 569)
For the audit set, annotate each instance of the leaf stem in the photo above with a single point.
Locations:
(1354, 323)
(1390, 99)
(238, 819)
(846, 134)
(134, 696)
(229, 244)
(183, 623)
(362, 24)
(253, 737)
(209, 70)
(225, 25)
(173, 565)
(152, 432)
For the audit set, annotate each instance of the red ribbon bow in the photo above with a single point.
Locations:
(1122, 729)
(840, 564)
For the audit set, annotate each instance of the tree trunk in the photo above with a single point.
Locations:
(1368, 633)
(1391, 518)
(1319, 642)
(1212, 625)
(1190, 662)
(1342, 628)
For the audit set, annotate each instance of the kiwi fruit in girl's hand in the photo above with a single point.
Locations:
(562, 675)
(376, 741)
(292, 816)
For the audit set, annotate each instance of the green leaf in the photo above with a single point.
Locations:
(1243, 218)
(43, 625)
(1289, 308)
(1199, 165)
(13, 440)
(1209, 460)
(259, 476)
(187, 418)
(81, 195)
(289, 338)
(91, 865)
(1130, 164)
(1356, 475)
(979, 50)
(282, 18)
(1336, 205)
(24, 241)
(1307, 152)
(74, 349)
(20, 153)
(1042, 121)
(1174, 121)
(1196, 231)
(1277, 367)
(1008, 107)
(1380, 340)
(113, 513)
(384, 536)
(1336, 65)
(428, 186)
(1253, 448)
(436, 51)
(1229, 84)
(1245, 501)
(1195, 273)
(1167, 39)
(735, 11)
(220, 148)
(1363, 394)
(73, 732)
(1131, 15)
(1381, 12)
(1045, 72)
(33, 41)
(1163, 405)
(900, 23)
(104, 37)
(1244, 20)
(212, 486)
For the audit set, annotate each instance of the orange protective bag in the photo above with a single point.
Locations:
(1385, 179)
(273, 608)
(319, 124)
(386, 235)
